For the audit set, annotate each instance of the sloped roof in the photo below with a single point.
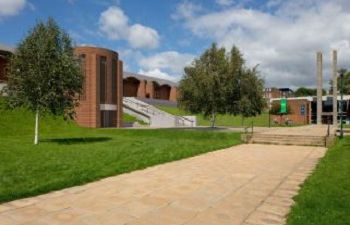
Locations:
(149, 78)
(6, 48)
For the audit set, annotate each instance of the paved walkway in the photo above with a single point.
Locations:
(243, 185)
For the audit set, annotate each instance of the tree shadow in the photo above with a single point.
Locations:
(78, 140)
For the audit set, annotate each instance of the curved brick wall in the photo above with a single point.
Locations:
(88, 112)
(135, 87)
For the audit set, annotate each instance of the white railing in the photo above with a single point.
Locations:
(157, 114)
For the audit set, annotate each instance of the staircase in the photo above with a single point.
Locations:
(275, 139)
(154, 116)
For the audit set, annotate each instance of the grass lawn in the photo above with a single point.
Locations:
(325, 197)
(223, 120)
(69, 155)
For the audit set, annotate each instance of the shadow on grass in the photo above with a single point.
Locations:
(79, 140)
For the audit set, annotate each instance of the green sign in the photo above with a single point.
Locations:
(283, 105)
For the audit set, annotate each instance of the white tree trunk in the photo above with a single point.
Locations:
(213, 118)
(36, 137)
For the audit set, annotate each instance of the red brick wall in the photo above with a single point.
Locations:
(173, 94)
(164, 92)
(272, 93)
(3, 63)
(150, 89)
(141, 91)
(295, 116)
(131, 87)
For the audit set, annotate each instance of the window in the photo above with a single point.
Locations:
(108, 118)
(114, 81)
(82, 61)
(103, 79)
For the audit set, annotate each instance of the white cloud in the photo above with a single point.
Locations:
(186, 10)
(11, 7)
(141, 37)
(158, 74)
(283, 41)
(172, 61)
(115, 25)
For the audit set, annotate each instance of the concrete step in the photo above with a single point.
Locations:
(286, 136)
(291, 139)
(318, 144)
(288, 140)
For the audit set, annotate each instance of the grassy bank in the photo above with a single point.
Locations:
(127, 118)
(222, 120)
(69, 155)
(325, 197)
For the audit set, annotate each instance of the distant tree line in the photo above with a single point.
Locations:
(303, 91)
(219, 82)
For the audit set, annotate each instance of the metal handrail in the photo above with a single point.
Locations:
(149, 109)
(328, 129)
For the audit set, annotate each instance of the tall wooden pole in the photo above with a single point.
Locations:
(335, 87)
(319, 87)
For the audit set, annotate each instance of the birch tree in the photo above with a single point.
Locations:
(43, 74)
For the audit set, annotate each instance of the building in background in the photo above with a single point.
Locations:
(5, 53)
(101, 102)
(286, 92)
(146, 87)
(303, 110)
(273, 92)
(270, 93)
(105, 85)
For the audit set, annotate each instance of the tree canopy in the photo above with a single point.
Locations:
(346, 82)
(44, 75)
(218, 82)
(303, 91)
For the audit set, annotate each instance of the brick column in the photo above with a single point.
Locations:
(141, 91)
(173, 94)
(150, 89)
(120, 94)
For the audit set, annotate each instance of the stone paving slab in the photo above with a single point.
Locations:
(242, 185)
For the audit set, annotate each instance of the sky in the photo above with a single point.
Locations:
(160, 37)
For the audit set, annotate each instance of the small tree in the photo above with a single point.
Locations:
(219, 83)
(201, 89)
(251, 94)
(346, 82)
(43, 74)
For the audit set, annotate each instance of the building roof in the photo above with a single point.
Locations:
(5, 48)
(149, 78)
(285, 89)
